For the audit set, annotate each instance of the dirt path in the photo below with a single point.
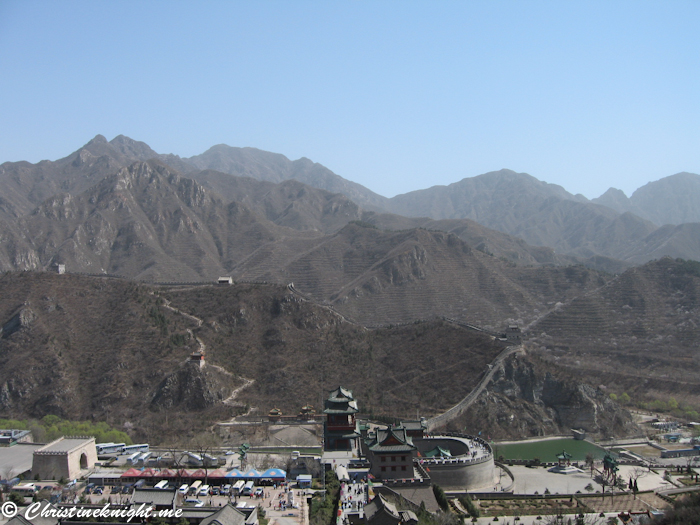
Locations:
(202, 347)
(230, 399)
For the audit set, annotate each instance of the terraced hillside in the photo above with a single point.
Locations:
(114, 350)
(377, 277)
(640, 333)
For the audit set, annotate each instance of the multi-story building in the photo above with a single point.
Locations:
(341, 431)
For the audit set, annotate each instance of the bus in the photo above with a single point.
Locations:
(247, 488)
(237, 487)
(130, 449)
(26, 489)
(204, 490)
(162, 485)
(133, 458)
(143, 457)
(109, 448)
(194, 488)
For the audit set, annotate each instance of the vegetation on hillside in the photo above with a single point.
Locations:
(667, 406)
(52, 427)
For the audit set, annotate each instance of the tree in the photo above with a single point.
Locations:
(590, 461)
(441, 498)
(637, 472)
(17, 499)
(204, 445)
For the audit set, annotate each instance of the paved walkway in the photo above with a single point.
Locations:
(353, 498)
(539, 480)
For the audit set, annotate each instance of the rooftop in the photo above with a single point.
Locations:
(17, 458)
(228, 515)
(66, 444)
(391, 439)
(155, 496)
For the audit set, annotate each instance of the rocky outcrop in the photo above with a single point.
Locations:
(193, 388)
(527, 398)
(21, 319)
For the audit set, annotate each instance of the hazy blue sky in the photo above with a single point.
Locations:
(394, 95)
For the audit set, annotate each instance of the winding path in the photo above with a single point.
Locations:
(202, 347)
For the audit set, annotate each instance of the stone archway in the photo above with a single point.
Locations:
(83, 461)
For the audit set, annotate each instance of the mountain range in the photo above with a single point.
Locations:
(611, 232)
(598, 286)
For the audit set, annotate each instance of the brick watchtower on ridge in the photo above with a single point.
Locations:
(341, 430)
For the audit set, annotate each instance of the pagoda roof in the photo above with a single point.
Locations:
(340, 394)
(341, 407)
(392, 439)
(438, 452)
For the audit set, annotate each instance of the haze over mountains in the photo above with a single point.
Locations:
(610, 233)
(491, 250)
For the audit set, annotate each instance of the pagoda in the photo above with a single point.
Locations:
(340, 431)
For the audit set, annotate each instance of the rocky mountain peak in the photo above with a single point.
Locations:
(133, 148)
(97, 139)
(615, 199)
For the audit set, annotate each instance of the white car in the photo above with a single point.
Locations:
(194, 502)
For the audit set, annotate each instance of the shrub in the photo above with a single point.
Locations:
(441, 498)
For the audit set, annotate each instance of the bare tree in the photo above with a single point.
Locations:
(590, 462)
(204, 445)
(637, 472)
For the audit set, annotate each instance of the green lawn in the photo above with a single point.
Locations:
(548, 450)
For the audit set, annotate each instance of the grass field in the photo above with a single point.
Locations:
(548, 450)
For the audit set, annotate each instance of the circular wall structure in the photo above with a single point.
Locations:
(470, 465)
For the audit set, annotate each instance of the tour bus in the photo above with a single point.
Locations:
(143, 457)
(204, 491)
(162, 485)
(133, 458)
(109, 448)
(247, 488)
(25, 489)
(237, 487)
(194, 488)
(130, 449)
(183, 488)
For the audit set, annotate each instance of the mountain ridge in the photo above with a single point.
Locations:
(542, 214)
